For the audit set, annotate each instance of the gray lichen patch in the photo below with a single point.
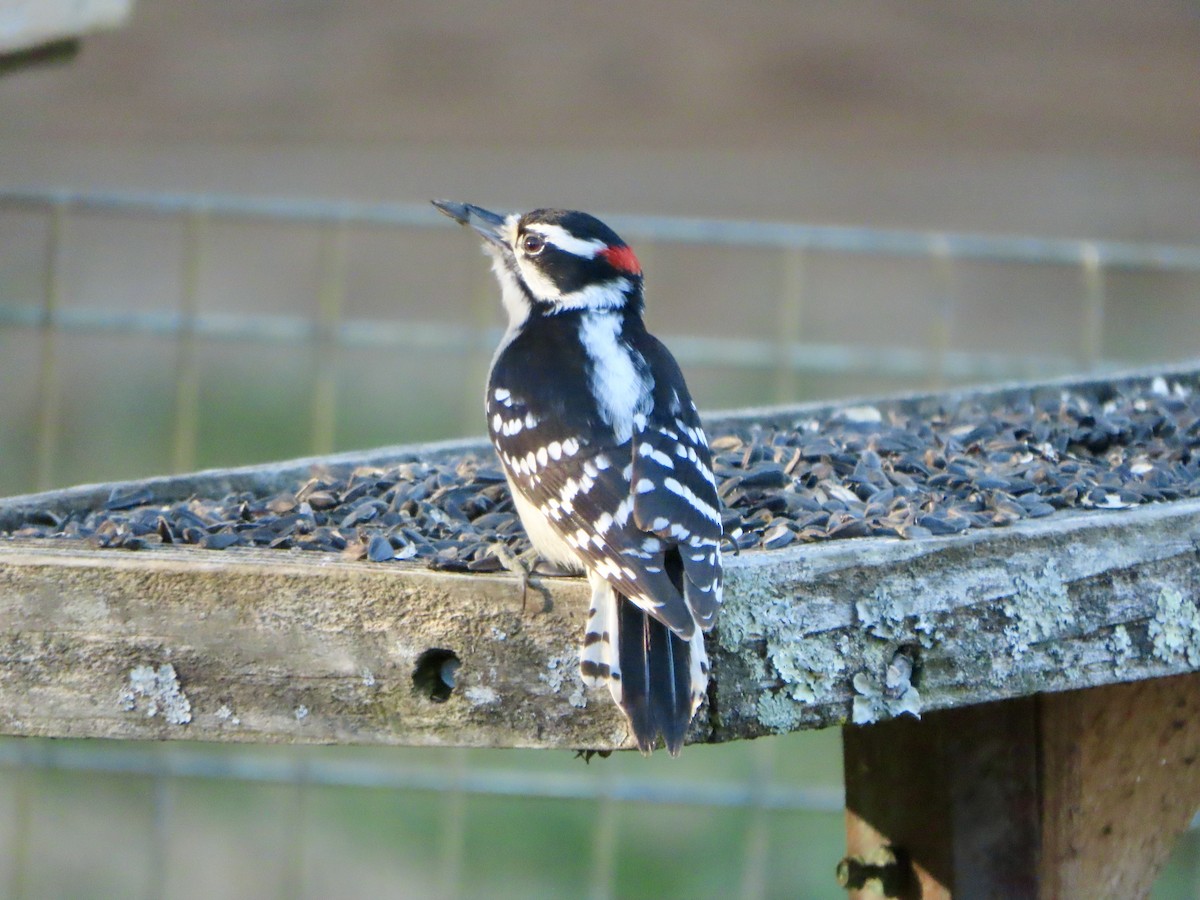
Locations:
(1175, 629)
(811, 669)
(876, 616)
(873, 703)
(807, 667)
(562, 674)
(1120, 644)
(778, 711)
(1039, 609)
(156, 692)
(481, 695)
(890, 613)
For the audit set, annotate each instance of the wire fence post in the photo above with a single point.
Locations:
(187, 368)
(1092, 328)
(791, 320)
(18, 875)
(330, 296)
(942, 321)
(454, 825)
(48, 399)
(758, 836)
(771, 354)
(294, 874)
(604, 840)
(163, 801)
(483, 304)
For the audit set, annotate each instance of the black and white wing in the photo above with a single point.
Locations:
(643, 514)
(675, 498)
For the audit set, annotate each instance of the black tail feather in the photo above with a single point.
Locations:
(655, 678)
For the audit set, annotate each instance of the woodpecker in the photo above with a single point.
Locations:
(606, 458)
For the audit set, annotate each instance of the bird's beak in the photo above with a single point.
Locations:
(489, 225)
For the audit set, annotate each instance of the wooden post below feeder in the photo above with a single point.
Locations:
(1073, 794)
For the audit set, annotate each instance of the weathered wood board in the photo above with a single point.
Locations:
(301, 646)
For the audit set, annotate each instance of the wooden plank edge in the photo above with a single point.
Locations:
(805, 641)
(1053, 604)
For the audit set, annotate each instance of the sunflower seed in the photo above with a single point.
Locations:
(884, 470)
(380, 549)
(777, 536)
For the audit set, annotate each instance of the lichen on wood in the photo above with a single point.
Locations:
(1071, 601)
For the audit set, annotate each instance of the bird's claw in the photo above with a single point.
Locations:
(520, 564)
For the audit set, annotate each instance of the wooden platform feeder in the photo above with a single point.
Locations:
(1051, 664)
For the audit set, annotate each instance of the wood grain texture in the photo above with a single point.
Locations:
(270, 648)
(804, 642)
(1121, 783)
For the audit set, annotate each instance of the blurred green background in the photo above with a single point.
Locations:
(1077, 121)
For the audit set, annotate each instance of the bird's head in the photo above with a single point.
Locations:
(552, 260)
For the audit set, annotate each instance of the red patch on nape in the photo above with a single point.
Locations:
(622, 258)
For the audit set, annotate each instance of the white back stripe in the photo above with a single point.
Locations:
(620, 386)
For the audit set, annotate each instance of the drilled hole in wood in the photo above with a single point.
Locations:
(435, 672)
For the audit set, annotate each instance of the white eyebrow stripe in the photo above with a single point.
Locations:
(564, 240)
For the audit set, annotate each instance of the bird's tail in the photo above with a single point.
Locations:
(657, 678)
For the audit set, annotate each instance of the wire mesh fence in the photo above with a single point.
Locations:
(51, 295)
(183, 297)
(50, 300)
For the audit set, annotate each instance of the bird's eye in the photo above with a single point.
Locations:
(533, 244)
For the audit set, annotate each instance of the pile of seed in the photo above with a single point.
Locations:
(907, 470)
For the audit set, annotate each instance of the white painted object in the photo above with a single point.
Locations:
(31, 23)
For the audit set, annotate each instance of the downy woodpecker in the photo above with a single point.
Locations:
(606, 459)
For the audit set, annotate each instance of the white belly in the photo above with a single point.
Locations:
(545, 539)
